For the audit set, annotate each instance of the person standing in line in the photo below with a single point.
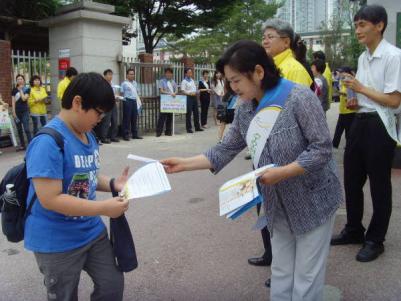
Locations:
(167, 86)
(218, 92)
(4, 107)
(108, 127)
(378, 96)
(322, 89)
(130, 107)
(346, 115)
(188, 88)
(299, 49)
(204, 96)
(63, 84)
(37, 103)
(327, 73)
(20, 95)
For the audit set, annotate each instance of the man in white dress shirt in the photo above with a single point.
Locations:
(188, 88)
(372, 139)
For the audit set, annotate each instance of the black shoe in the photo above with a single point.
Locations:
(260, 261)
(137, 137)
(114, 140)
(126, 138)
(346, 238)
(370, 251)
(168, 134)
(105, 141)
(268, 283)
(158, 134)
(199, 130)
(190, 131)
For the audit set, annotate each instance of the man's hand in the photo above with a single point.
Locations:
(352, 83)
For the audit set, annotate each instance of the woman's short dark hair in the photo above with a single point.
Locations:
(320, 65)
(33, 78)
(107, 71)
(95, 91)
(19, 75)
(205, 72)
(372, 13)
(186, 70)
(319, 55)
(71, 72)
(243, 56)
(168, 69)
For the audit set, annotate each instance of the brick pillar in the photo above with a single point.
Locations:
(146, 72)
(5, 71)
(188, 62)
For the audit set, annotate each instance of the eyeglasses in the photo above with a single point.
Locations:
(100, 113)
(271, 37)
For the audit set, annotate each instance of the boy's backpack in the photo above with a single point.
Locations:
(13, 203)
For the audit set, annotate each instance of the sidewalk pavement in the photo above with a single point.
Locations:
(186, 251)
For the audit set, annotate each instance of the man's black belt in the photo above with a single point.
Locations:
(366, 115)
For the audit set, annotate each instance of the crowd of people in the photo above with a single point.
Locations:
(269, 81)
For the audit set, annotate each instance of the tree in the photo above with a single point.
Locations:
(244, 21)
(27, 9)
(177, 18)
(340, 43)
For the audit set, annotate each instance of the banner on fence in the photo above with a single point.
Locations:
(170, 104)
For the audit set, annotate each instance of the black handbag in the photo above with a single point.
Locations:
(122, 241)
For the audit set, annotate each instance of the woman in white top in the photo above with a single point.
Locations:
(217, 92)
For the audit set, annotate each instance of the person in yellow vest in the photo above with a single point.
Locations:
(346, 115)
(63, 84)
(37, 103)
(327, 72)
(278, 37)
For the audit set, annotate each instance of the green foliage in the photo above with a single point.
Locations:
(27, 9)
(243, 21)
(340, 44)
(177, 18)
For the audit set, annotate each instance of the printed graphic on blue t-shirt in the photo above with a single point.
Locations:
(48, 231)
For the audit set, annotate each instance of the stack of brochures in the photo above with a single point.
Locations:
(240, 194)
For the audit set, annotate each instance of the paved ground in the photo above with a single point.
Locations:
(187, 252)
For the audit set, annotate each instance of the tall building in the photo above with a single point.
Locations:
(306, 15)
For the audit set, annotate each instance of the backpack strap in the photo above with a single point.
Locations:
(58, 138)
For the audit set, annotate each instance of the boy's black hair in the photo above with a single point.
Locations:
(129, 70)
(319, 55)
(95, 91)
(107, 71)
(320, 65)
(372, 13)
(186, 70)
(168, 69)
(205, 71)
(33, 78)
(243, 56)
(71, 72)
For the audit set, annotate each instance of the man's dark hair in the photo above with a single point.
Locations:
(320, 65)
(243, 56)
(107, 71)
(168, 69)
(205, 72)
(186, 70)
(129, 70)
(372, 13)
(33, 79)
(95, 91)
(71, 72)
(319, 55)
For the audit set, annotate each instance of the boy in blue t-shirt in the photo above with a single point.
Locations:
(64, 229)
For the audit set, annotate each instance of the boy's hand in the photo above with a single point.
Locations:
(121, 180)
(115, 207)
